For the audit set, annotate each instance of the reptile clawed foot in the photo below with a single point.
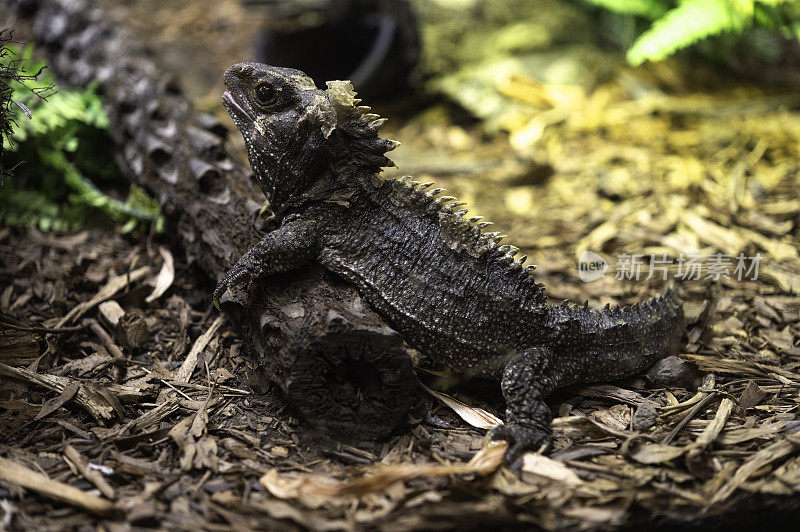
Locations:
(238, 278)
(521, 437)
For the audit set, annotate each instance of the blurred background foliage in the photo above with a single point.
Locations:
(483, 54)
(468, 45)
(519, 67)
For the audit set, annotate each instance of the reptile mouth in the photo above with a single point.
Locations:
(234, 106)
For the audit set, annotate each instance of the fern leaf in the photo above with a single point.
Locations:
(688, 23)
(744, 7)
(777, 2)
(651, 9)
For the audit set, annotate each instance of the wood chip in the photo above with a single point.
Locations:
(751, 396)
(188, 365)
(102, 406)
(763, 457)
(29, 479)
(114, 285)
(92, 475)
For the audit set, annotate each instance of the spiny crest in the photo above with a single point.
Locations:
(462, 233)
(668, 302)
(359, 125)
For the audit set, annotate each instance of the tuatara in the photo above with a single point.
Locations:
(447, 286)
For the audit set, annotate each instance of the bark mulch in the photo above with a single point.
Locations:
(126, 401)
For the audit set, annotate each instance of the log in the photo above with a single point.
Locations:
(338, 363)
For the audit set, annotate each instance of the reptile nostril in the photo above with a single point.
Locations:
(234, 72)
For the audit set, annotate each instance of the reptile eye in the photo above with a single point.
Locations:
(265, 93)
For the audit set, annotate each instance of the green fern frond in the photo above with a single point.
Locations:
(775, 3)
(688, 23)
(58, 146)
(681, 23)
(651, 9)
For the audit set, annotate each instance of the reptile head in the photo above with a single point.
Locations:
(297, 134)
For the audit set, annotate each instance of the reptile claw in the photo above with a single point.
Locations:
(221, 288)
(521, 438)
(238, 278)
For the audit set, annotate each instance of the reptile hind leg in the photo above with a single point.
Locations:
(526, 381)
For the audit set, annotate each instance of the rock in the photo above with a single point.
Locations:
(644, 417)
(673, 372)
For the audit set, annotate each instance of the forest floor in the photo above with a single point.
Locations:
(141, 411)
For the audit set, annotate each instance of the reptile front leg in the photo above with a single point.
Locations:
(286, 248)
(526, 381)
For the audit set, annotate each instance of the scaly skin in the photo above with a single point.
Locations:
(450, 289)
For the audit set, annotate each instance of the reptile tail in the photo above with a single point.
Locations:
(617, 342)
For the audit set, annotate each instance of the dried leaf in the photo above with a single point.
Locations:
(541, 466)
(206, 454)
(51, 405)
(477, 417)
(165, 277)
(656, 453)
